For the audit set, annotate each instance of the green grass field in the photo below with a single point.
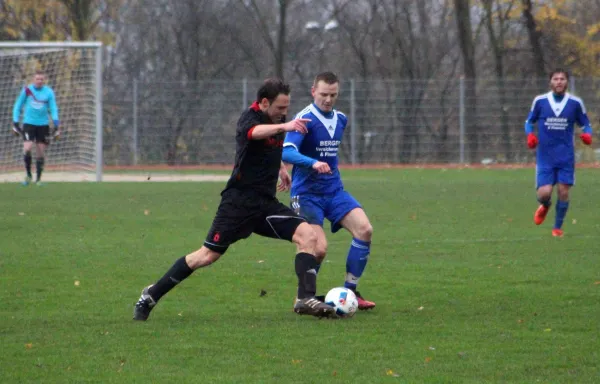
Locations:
(468, 290)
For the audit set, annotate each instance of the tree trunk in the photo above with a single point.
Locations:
(535, 39)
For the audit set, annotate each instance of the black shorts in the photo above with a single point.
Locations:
(242, 213)
(36, 133)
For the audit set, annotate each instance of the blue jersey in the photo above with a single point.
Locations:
(38, 102)
(321, 142)
(555, 120)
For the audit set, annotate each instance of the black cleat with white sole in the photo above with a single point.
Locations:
(144, 305)
(312, 306)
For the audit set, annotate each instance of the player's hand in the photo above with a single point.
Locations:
(17, 131)
(296, 125)
(321, 167)
(586, 138)
(532, 141)
(285, 181)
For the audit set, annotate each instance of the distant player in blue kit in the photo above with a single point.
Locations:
(38, 100)
(555, 113)
(317, 189)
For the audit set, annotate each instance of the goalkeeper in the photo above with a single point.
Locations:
(37, 100)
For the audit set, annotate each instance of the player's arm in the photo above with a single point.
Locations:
(532, 117)
(262, 131)
(584, 122)
(285, 181)
(54, 114)
(17, 111)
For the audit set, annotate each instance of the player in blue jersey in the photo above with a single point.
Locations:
(555, 113)
(317, 189)
(38, 100)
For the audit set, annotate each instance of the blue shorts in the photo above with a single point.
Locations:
(333, 207)
(552, 175)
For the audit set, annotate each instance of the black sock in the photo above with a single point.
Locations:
(546, 203)
(39, 166)
(306, 270)
(27, 160)
(178, 272)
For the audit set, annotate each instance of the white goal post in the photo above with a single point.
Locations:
(74, 71)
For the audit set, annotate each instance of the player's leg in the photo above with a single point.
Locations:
(231, 224)
(42, 139)
(545, 180)
(280, 222)
(566, 179)
(311, 208)
(344, 211)
(28, 136)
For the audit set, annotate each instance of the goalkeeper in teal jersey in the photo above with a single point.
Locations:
(36, 101)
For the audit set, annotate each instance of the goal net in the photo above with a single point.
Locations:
(73, 70)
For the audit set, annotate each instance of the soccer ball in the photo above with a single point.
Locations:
(343, 300)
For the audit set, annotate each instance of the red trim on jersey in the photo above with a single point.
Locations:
(255, 106)
(250, 132)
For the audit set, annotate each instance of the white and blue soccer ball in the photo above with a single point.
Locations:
(343, 300)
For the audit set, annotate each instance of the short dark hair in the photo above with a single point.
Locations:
(559, 70)
(327, 77)
(271, 88)
(40, 72)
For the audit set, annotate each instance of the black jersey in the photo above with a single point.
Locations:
(257, 162)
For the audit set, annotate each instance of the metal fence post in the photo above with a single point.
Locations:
(135, 122)
(244, 94)
(352, 123)
(461, 109)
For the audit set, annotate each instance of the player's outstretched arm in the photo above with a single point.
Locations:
(263, 131)
(18, 107)
(54, 114)
(532, 140)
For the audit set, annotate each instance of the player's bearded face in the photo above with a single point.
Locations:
(559, 83)
(278, 109)
(325, 95)
(39, 80)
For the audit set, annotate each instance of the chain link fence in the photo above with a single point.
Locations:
(390, 121)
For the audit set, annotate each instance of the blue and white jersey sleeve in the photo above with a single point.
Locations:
(295, 139)
(581, 117)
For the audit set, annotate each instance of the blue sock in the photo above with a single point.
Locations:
(561, 212)
(358, 255)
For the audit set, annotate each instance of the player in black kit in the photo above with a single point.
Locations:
(248, 204)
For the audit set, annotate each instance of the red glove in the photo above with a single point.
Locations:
(532, 141)
(586, 138)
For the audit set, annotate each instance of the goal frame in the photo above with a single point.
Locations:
(97, 79)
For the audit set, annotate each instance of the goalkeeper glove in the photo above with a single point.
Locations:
(586, 138)
(56, 129)
(17, 129)
(532, 141)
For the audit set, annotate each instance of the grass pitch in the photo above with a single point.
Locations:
(468, 289)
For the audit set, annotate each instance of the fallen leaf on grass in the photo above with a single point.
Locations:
(76, 283)
(296, 361)
(548, 330)
(389, 372)
(146, 212)
(574, 221)
(29, 345)
(597, 283)
(427, 359)
(420, 308)
(21, 213)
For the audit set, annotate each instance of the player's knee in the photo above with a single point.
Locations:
(364, 231)
(321, 250)
(305, 237)
(202, 258)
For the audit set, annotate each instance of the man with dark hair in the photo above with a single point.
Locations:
(317, 188)
(38, 100)
(556, 112)
(248, 204)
